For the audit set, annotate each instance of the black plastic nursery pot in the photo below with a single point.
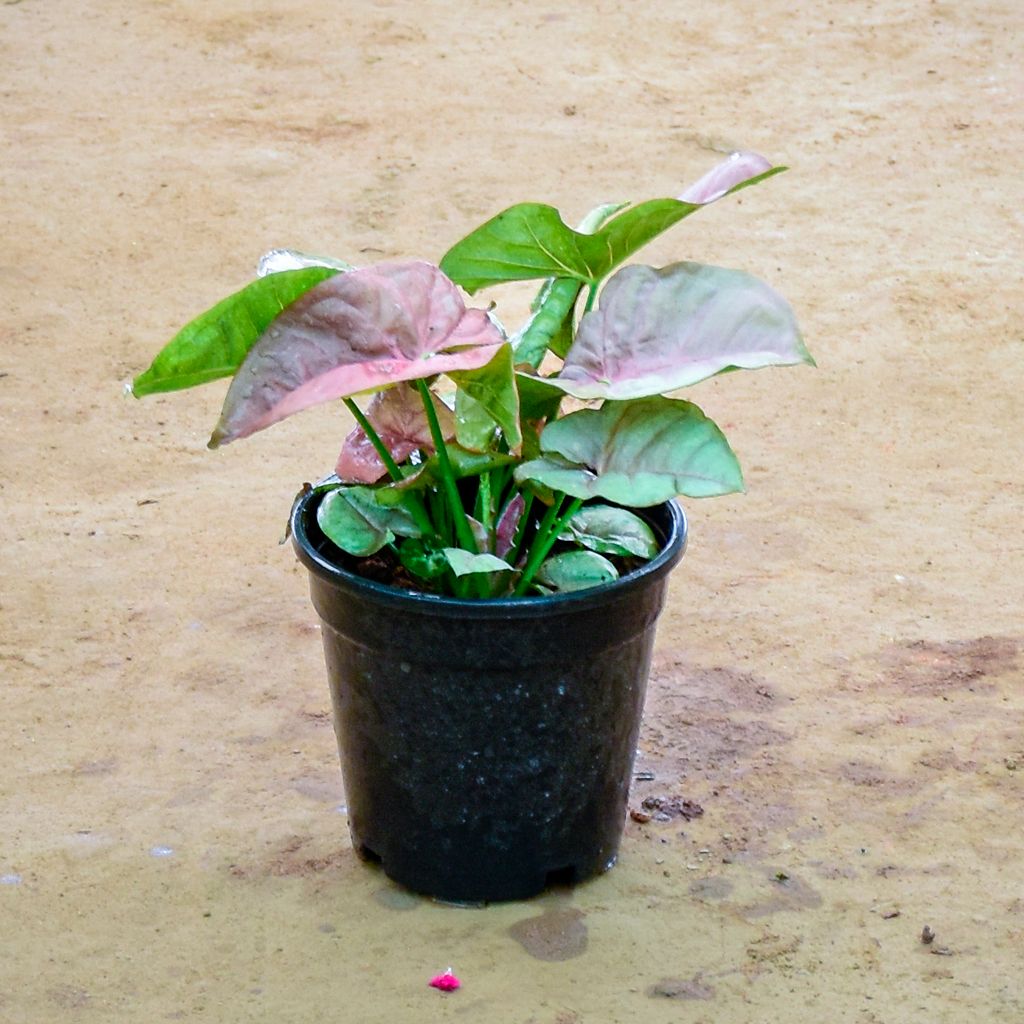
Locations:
(486, 745)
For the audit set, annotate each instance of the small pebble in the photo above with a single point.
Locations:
(927, 935)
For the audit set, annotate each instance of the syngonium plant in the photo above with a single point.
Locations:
(463, 468)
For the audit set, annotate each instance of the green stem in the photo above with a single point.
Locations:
(462, 530)
(484, 500)
(413, 502)
(378, 445)
(547, 533)
(591, 296)
(537, 548)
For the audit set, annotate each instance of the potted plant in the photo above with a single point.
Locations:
(490, 555)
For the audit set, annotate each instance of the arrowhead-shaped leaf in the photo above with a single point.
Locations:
(576, 570)
(611, 530)
(658, 330)
(635, 453)
(215, 343)
(398, 417)
(531, 240)
(352, 518)
(355, 332)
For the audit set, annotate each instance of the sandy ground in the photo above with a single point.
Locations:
(838, 674)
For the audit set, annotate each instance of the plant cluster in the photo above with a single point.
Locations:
(468, 472)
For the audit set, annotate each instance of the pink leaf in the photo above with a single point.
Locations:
(732, 171)
(356, 332)
(401, 423)
(508, 523)
(658, 330)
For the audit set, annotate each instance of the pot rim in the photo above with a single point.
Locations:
(671, 552)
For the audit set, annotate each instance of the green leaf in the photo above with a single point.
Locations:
(463, 563)
(464, 463)
(611, 530)
(551, 324)
(475, 428)
(422, 558)
(523, 243)
(538, 400)
(576, 570)
(493, 388)
(530, 240)
(598, 216)
(353, 519)
(635, 453)
(215, 343)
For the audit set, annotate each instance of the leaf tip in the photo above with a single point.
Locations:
(141, 385)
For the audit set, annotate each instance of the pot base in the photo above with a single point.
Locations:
(558, 878)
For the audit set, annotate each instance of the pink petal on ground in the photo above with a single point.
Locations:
(446, 982)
